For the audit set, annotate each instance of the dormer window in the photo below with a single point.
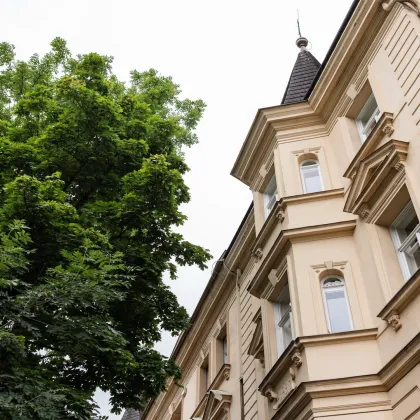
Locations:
(368, 117)
(270, 196)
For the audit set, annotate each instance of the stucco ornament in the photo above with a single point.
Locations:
(412, 4)
(271, 395)
(395, 322)
(297, 359)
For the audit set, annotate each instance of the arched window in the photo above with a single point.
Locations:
(311, 176)
(337, 308)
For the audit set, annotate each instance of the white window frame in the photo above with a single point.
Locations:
(283, 314)
(340, 285)
(302, 170)
(366, 129)
(270, 196)
(405, 248)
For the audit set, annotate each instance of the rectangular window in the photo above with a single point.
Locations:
(225, 350)
(368, 117)
(405, 233)
(204, 379)
(284, 321)
(337, 305)
(270, 196)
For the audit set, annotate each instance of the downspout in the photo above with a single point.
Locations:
(241, 380)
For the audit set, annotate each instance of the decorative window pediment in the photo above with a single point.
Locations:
(376, 179)
(256, 348)
(217, 406)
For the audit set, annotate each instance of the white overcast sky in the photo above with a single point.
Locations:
(236, 55)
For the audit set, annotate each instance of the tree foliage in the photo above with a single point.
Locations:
(91, 176)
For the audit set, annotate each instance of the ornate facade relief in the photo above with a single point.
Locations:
(395, 322)
(412, 4)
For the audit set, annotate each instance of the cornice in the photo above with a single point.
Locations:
(382, 128)
(278, 213)
(384, 380)
(347, 65)
(222, 376)
(282, 242)
(392, 310)
(378, 177)
(336, 338)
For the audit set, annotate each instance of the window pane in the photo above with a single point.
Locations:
(225, 350)
(338, 312)
(368, 110)
(312, 179)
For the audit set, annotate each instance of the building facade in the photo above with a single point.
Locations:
(313, 312)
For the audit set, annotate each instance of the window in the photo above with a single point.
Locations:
(405, 233)
(368, 117)
(311, 176)
(270, 196)
(224, 350)
(336, 305)
(284, 321)
(204, 379)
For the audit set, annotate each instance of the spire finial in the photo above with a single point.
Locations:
(298, 23)
(301, 42)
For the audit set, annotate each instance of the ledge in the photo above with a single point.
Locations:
(278, 370)
(404, 296)
(278, 214)
(257, 285)
(337, 338)
(222, 375)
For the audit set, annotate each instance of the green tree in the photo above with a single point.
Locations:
(91, 177)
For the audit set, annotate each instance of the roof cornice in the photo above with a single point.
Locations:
(313, 117)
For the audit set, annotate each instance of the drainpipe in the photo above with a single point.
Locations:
(241, 380)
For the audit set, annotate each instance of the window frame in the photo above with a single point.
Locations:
(346, 298)
(225, 354)
(270, 199)
(371, 122)
(281, 317)
(318, 166)
(408, 267)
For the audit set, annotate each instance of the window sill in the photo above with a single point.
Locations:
(411, 289)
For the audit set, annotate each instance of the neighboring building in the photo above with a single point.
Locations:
(313, 312)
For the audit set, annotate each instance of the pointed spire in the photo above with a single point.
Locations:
(303, 74)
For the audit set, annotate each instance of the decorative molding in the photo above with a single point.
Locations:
(271, 395)
(297, 359)
(411, 4)
(257, 253)
(222, 375)
(385, 123)
(260, 282)
(379, 178)
(407, 294)
(395, 322)
(217, 405)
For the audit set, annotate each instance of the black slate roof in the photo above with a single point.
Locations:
(303, 74)
(131, 414)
